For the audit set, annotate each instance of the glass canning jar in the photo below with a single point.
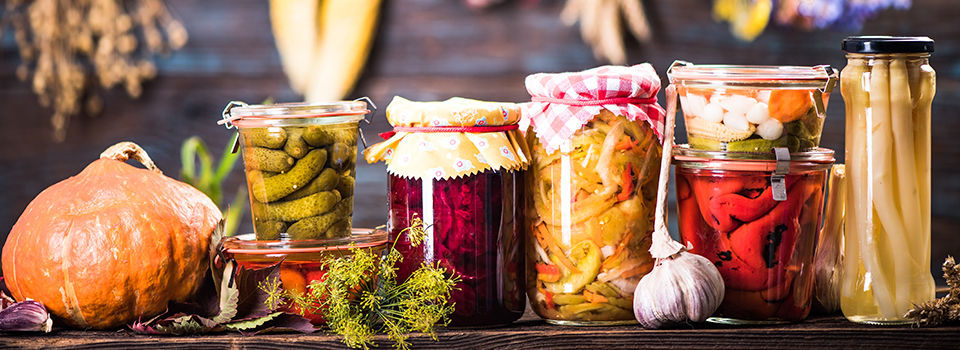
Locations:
(888, 87)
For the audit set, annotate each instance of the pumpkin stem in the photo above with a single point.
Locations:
(126, 150)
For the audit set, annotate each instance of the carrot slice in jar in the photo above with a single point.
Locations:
(789, 105)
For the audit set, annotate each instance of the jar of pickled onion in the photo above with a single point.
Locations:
(456, 166)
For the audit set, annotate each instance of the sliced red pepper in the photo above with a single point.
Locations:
(627, 184)
(626, 144)
(548, 273)
(548, 298)
(731, 209)
(594, 297)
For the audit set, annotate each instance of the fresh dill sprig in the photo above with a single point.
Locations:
(360, 297)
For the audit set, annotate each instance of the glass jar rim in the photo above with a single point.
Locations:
(752, 75)
(249, 245)
(814, 159)
(325, 113)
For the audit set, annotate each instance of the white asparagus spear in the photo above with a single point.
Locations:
(901, 115)
(884, 191)
(860, 211)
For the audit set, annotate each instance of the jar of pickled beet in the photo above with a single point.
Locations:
(301, 261)
(752, 108)
(757, 218)
(456, 166)
(300, 165)
(591, 191)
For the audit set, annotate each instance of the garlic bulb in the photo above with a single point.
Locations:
(25, 316)
(682, 286)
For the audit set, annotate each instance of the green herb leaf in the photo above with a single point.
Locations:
(251, 323)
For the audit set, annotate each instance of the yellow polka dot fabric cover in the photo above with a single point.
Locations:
(448, 155)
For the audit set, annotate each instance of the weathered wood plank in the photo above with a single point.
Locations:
(531, 333)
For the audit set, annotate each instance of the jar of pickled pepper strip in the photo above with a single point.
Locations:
(756, 217)
(456, 166)
(591, 191)
(300, 165)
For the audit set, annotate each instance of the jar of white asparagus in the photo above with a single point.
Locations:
(887, 86)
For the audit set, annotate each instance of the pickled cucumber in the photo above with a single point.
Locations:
(267, 159)
(341, 155)
(317, 136)
(345, 186)
(270, 229)
(338, 229)
(297, 209)
(327, 180)
(295, 145)
(264, 137)
(318, 226)
(759, 145)
(268, 189)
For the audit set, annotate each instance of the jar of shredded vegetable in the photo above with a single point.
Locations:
(456, 166)
(590, 191)
(888, 87)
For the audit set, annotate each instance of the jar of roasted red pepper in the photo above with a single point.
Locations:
(456, 165)
(591, 191)
(756, 217)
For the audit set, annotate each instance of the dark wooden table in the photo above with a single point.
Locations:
(532, 333)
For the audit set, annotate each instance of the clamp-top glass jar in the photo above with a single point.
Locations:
(752, 108)
(300, 161)
(888, 87)
(761, 241)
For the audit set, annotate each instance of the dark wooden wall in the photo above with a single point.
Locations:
(425, 50)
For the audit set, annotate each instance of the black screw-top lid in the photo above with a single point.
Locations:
(887, 44)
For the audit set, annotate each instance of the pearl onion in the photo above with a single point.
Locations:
(736, 121)
(771, 129)
(712, 112)
(758, 113)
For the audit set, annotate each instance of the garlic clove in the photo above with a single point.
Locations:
(25, 316)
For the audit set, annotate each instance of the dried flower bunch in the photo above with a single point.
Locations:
(943, 310)
(64, 44)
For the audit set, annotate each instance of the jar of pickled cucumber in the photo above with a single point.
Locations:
(752, 108)
(455, 165)
(888, 87)
(590, 191)
(300, 165)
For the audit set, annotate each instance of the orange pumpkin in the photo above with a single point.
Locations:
(112, 244)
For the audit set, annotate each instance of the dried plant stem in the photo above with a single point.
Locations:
(64, 44)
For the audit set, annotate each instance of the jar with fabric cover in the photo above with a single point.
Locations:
(456, 165)
(591, 191)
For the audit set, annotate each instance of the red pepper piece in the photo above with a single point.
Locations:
(768, 242)
(794, 308)
(747, 305)
(693, 229)
(731, 209)
(626, 184)
(707, 187)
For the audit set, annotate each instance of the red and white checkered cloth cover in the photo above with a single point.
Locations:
(555, 122)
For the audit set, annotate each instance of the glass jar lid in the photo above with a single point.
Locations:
(248, 244)
(798, 77)
(887, 44)
(241, 114)
(814, 159)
